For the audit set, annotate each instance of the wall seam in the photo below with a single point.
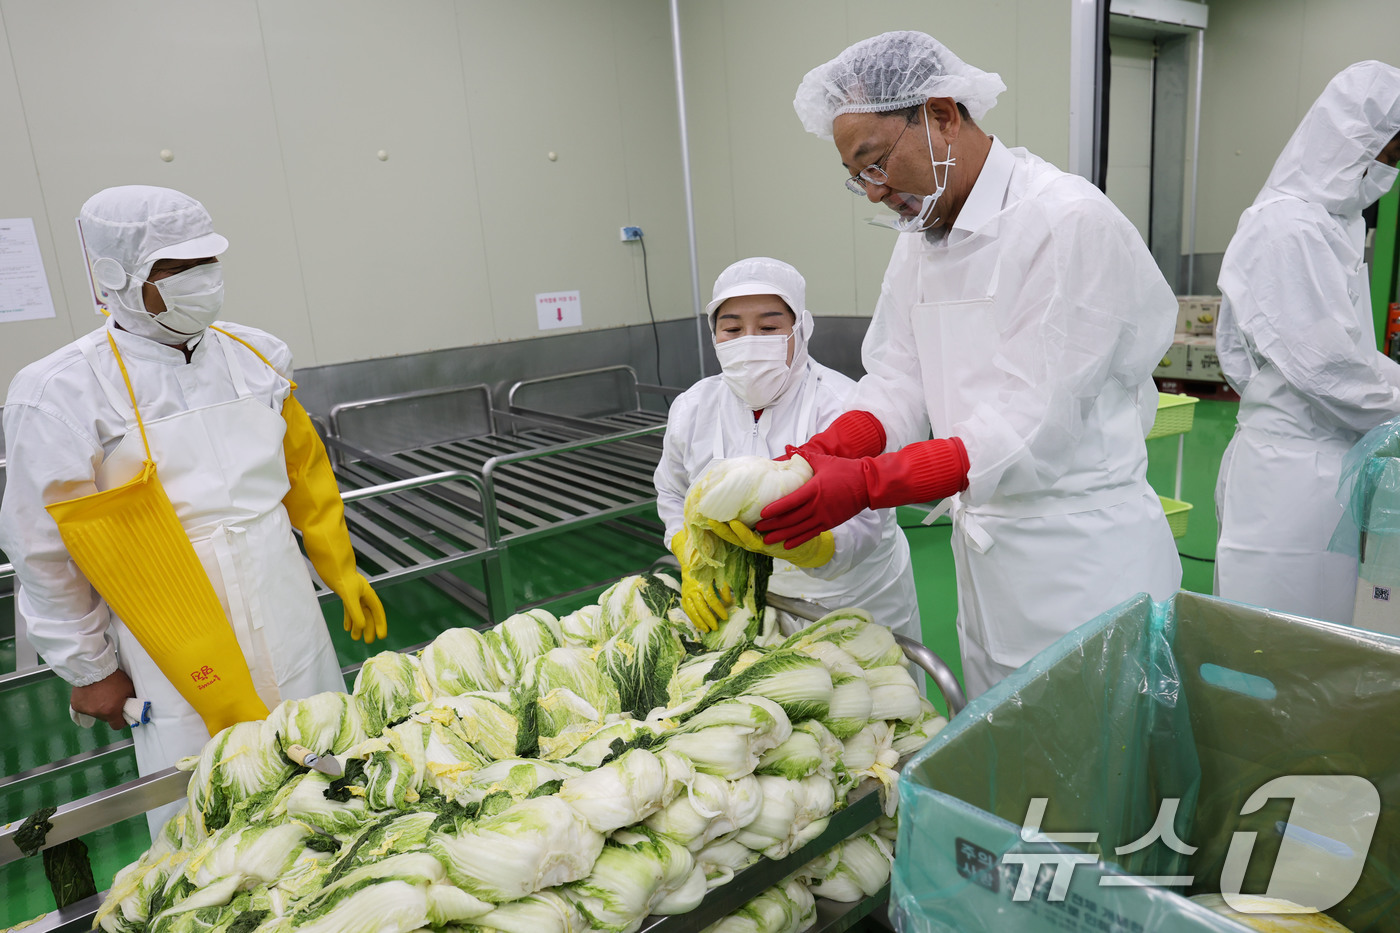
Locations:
(286, 182)
(43, 197)
(476, 176)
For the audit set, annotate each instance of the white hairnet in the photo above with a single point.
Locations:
(1340, 135)
(760, 275)
(133, 226)
(891, 71)
(138, 224)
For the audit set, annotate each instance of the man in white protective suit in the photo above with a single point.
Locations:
(1020, 318)
(1297, 340)
(770, 394)
(211, 408)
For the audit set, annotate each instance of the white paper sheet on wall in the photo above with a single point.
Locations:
(558, 309)
(24, 288)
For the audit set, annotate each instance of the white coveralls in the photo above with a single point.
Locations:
(1030, 331)
(215, 430)
(1296, 339)
(871, 568)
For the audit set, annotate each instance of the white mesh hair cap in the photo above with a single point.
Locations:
(891, 71)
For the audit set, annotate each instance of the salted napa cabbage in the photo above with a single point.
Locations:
(518, 777)
(256, 853)
(537, 843)
(388, 686)
(855, 632)
(870, 753)
(307, 802)
(486, 720)
(636, 598)
(727, 739)
(239, 762)
(582, 628)
(397, 894)
(785, 908)
(862, 869)
(636, 870)
(460, 660)
(740, 487)
(522, 638)
(604, 743)
(709, 808)
(324, 722)
(893, 694)
(627, 789)
(811, 749)
(572, 669)
(793, 813)
(541, 912)
(909, 737)
(800, 684)
(641, 660)
(722, 859)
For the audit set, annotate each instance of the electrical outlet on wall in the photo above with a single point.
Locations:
(631, 233)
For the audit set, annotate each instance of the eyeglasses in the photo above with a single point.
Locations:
(874, 173)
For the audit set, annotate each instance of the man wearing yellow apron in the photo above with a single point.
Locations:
(157, 468)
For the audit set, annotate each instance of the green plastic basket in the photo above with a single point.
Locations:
(1175, 414)
(1177, 513)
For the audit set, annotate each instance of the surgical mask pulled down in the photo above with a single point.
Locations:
(193, 299)
(919, 222)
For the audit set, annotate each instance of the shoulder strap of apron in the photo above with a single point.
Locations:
(113, 397)
(238, 378)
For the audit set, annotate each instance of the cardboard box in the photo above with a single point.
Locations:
(1202, 363)
(1173, 365)
(1196, 314)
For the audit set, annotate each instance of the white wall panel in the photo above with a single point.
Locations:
(391, 248)
(21, 196)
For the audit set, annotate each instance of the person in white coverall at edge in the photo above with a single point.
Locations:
(1020, 319)
(771, 394)
(1297, 340)
(235, 455)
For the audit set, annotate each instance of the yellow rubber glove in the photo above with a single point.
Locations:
(316, 510)
(813, 553)
(705, 604)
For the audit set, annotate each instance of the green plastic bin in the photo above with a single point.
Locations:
(1197, 699)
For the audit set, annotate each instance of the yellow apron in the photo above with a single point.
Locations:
(130, 545)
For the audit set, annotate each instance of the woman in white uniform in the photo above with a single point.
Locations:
(772, 394)
(1297, 340)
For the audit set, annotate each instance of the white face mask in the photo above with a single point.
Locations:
(755, 368)
(919, 221)
(1377, 181)
(193, 300)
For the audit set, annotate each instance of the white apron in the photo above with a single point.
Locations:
(883, 584)
(224, 470)
(1031, 568)
(1276, 497)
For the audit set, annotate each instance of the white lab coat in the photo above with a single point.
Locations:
(1030, 331)
(215, 430)
(1296, 339)
(871, 568)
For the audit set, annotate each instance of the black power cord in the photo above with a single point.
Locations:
(655, 335)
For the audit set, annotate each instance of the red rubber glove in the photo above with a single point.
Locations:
(854, 434)
(840, 489)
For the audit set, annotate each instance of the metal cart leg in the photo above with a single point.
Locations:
(500, 601)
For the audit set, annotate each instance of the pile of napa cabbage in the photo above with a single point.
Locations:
(544, 775)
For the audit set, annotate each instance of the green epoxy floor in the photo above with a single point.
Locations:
(36, 729)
